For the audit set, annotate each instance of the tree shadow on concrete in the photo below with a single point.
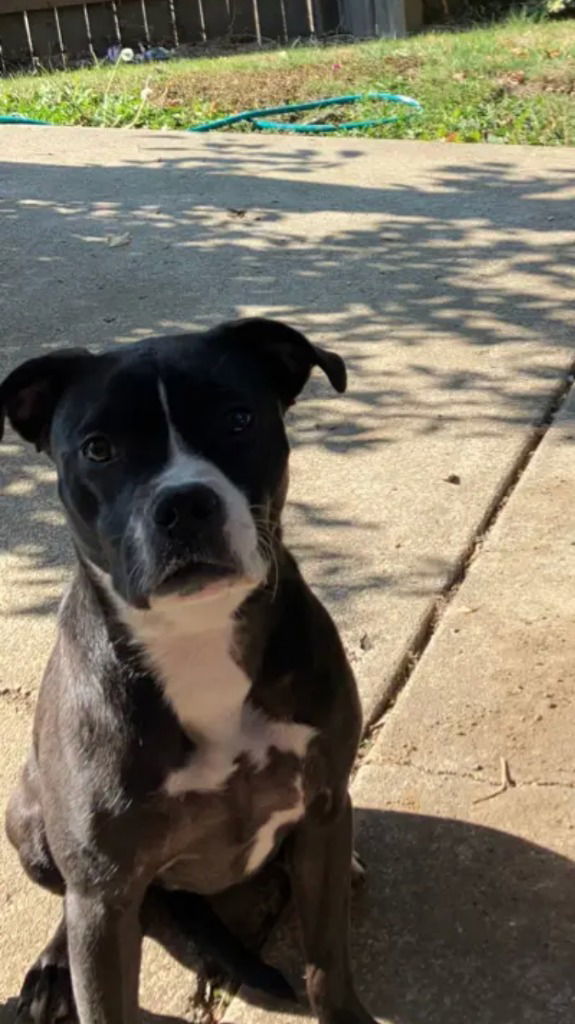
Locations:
(418, 279)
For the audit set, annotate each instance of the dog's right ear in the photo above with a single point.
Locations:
(29, 395)
(288, 355)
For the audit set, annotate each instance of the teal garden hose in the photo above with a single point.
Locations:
(19, 119)
(258, 117)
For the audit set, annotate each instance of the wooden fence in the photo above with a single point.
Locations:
(54, 32)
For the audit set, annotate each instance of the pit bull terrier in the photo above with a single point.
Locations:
(197, 711)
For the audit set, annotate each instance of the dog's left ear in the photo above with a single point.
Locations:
(29, 395)
(288, 355)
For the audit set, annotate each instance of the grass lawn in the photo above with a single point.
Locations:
(512, 82)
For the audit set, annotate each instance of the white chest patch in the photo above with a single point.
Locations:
(188, 643)
(264, 841)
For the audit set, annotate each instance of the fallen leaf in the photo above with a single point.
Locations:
(115, 241)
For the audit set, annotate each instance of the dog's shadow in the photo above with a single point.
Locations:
(462, 924)
(457, 924)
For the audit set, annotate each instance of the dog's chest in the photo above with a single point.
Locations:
(244, 775)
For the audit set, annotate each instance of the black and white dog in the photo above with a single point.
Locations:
(198, 709)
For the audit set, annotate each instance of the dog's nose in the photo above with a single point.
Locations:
(194, 506)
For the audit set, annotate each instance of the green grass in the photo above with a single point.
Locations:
(510, 83)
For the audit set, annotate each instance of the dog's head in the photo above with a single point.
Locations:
(171, 453)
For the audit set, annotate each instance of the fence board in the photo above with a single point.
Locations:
(242, 21)
(74, 32)
(389, 18)
(327, 16)
(358, 17)
(131, 20)
(271, 20)
(102, 28)
(17, 6)
(189, 21)
(13, 38)
(297, 18)
(160, 23)
(216, 18)
(44, 37)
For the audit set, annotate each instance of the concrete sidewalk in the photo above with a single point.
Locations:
(442, 274)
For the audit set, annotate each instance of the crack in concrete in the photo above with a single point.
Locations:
(452, 773)
(445, 596)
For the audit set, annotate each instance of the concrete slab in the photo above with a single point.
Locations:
(439, 272)
(496, 680)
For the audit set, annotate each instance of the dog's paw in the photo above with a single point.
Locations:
(46, 996)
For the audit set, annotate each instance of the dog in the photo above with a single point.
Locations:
(197, 712)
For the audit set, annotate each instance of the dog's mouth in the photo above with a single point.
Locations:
(195, 576)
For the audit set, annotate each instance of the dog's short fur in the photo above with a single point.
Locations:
(198, 709)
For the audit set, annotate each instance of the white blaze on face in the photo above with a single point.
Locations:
(185, 468)
(182, 469)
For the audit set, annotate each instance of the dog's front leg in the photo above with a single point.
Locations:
(104, 949)
(320, 864)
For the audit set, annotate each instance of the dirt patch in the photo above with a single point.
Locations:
(261, 87)
(403, 66)
(518, 83)
(563, 82)
(511, 81)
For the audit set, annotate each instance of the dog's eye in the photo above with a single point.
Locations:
(239, 420)
(98, 449)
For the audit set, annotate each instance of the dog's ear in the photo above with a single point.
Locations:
(288, 355)
(29, 395)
